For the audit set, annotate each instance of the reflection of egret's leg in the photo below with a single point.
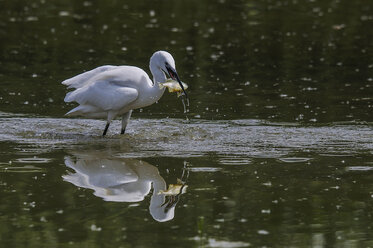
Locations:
(183, 173)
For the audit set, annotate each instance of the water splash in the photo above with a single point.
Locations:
(234, 141)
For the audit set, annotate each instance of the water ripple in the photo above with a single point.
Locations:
(20, 169)
(33, 160)
(294, 160)
(359, 168)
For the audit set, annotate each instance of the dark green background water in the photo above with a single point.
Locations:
(278, 141)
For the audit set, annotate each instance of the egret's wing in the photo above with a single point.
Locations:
(104, 95)
(81, 79)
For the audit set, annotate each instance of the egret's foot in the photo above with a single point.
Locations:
(106, 128)
(122, 131)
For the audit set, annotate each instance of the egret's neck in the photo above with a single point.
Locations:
(157, 91)
(152, 93)
(158, 75)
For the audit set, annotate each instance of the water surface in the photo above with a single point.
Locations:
(285, 183)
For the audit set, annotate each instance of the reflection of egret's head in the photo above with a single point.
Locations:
(161, 208)
(164, 202)
(121, 180)
(161, 214)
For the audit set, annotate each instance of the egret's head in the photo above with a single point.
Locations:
(164, 62)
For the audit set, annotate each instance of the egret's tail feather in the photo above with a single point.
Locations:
(81, 79)
(73, 112)
(88, 111)
(67, 97)
(74, 96)
(80, 110)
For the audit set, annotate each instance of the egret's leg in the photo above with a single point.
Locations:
(110, 115)
(125, 119)
(106, 128)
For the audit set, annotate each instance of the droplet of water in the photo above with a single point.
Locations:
(263, 232)
(95, 228)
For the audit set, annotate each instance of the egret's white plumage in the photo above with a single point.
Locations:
(109, 91)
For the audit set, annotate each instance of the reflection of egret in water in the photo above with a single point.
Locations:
(126, 180)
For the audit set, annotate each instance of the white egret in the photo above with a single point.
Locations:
(109, 91)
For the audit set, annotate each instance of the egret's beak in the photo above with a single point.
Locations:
(173, 74)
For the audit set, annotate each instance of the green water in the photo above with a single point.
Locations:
(276, 150)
